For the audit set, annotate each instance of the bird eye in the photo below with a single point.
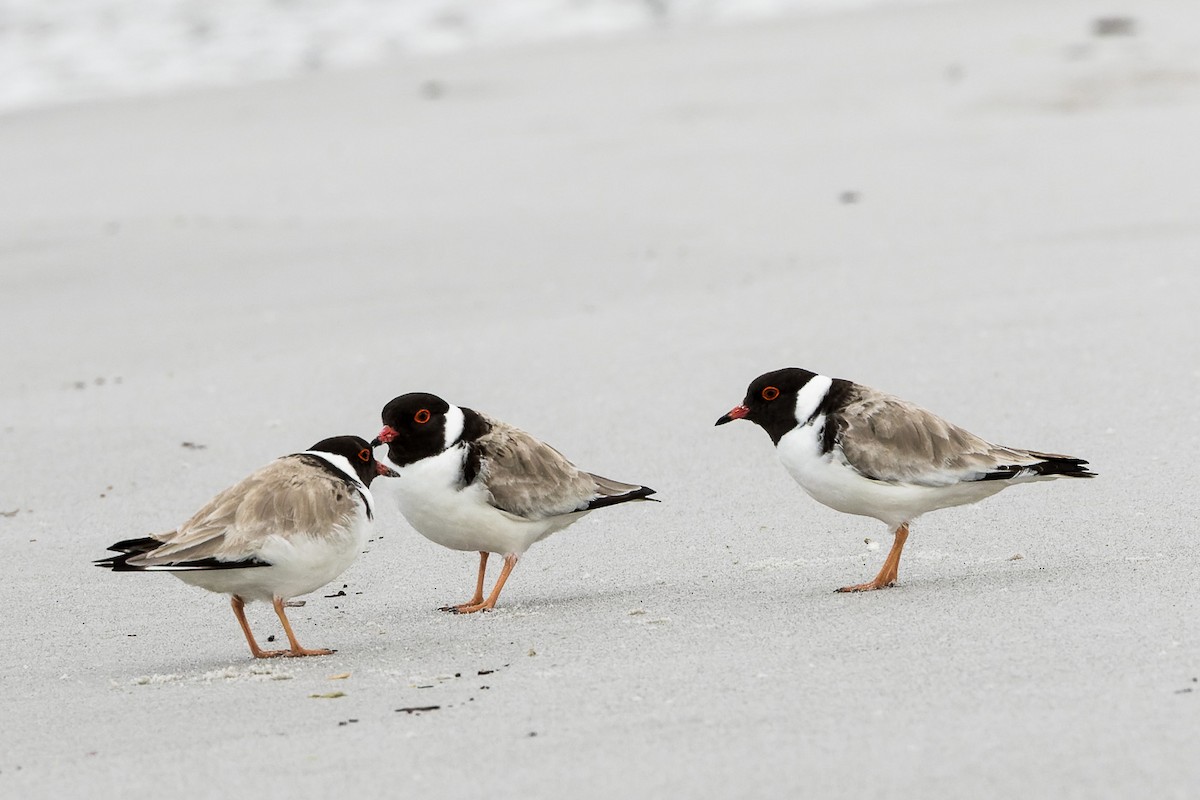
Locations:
(364, 455)
(770, 393)
(422, 416)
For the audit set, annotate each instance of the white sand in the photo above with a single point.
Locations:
(604, 243)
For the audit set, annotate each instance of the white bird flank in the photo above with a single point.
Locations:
(831, 480)
(434, 501)
(299, 564)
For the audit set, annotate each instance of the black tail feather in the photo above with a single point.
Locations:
(131, 548)
(640, 493)
(1065, 466)
(117, 563)
(128, 548)
(143, 544)
(121, 564)
(1051, 466)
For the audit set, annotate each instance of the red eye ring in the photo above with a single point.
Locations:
(364, 455)
(422, 416)
(770, 393)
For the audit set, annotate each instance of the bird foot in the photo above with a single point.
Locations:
(271, 653)
(466, 608)
(868, 587)
(299, 652)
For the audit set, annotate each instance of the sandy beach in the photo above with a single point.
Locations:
(985, 208)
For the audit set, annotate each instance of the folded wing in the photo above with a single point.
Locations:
(286, 498)
(888, 439)
(531, 479)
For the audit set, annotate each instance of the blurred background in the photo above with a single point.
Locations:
(52, 52)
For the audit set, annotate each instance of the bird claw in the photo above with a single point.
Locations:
(271, 653)
(865, 587)
(465, 608)
(304, 651)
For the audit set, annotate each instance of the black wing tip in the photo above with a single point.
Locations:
(117, 563)
(212, 563)
(121, 564)
(142, 544)
(1064, 466)
(1080, 473)
(127, 548)
(1051, 467)
(640, 493)
(131, 548)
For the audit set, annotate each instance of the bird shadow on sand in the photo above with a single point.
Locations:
(236, 664)
(991, 577)
(209, 670)
(581, 600)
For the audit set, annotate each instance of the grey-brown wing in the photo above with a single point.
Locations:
(889, 439)
(288, 498)
(528, 477)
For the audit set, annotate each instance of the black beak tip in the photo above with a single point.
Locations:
(376, 442)
(724, 418)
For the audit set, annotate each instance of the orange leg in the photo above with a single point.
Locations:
(891, 566)
(478, 598)
(510, 561)
(296, 650)
(238, 605)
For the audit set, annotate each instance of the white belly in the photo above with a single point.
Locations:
(830, 481)
(429, 497)
(299, 565)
